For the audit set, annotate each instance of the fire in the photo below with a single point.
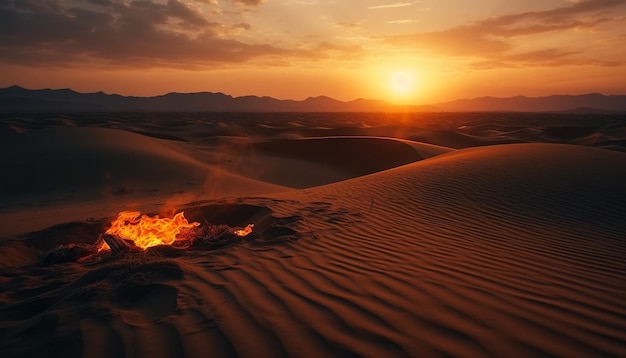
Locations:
(247, 230)
(147, 231)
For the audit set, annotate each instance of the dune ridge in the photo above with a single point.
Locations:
(313, 161)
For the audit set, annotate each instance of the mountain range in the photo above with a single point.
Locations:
(16, 99)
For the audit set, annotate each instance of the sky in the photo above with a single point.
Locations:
(413, 52)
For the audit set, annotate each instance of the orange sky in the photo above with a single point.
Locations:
(415, 52)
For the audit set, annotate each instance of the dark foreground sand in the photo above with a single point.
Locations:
(371, 239)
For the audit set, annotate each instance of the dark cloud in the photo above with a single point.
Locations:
(36, 5)
(179, 10)
(490, 38)
(583, 14)
(122, 33)
(102, 2)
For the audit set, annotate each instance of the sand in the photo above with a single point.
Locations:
(494, 237)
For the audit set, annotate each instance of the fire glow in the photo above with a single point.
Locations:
(147, 231)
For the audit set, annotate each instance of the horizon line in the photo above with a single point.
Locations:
(311, 97)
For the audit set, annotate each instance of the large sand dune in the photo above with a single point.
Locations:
(499, 250)
(103, 162)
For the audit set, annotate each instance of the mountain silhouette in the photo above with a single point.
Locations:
(16, 99)
(587, 103)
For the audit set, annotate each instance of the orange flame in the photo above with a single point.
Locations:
(247, 230)
(147, 231)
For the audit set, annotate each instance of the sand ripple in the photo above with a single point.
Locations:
(513, 246)
(509, 250)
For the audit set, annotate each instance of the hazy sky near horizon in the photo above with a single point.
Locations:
(406, 51)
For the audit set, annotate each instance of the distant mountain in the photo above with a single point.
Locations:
(587, 103)
(18, 99)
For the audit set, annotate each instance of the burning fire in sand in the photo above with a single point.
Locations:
(245, 231)
(147, 231)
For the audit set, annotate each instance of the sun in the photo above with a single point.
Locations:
(402, 84)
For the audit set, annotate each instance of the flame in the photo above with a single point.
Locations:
(247, 230)
(147, 231)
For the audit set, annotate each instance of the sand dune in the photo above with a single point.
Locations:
(481, 252)
(499, 250)
(104, 162)
(77, 166)
(307, 162)
(91, 171)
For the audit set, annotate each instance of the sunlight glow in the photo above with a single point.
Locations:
(402, 85)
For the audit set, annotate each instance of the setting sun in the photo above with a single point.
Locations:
(402, 82)
(402, 85)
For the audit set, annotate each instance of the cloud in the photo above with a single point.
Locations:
(583, 14)
(236, 2)
(390, 6)
(458, 41)
(403, 21)
(137, 33)
(248, 2)
(349, 25)
(329, 50)
(539, 58)
(102, 2)
(492, 38)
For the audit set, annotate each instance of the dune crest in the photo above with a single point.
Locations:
(313, 161)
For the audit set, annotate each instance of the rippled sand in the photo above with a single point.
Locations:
(375, 235)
